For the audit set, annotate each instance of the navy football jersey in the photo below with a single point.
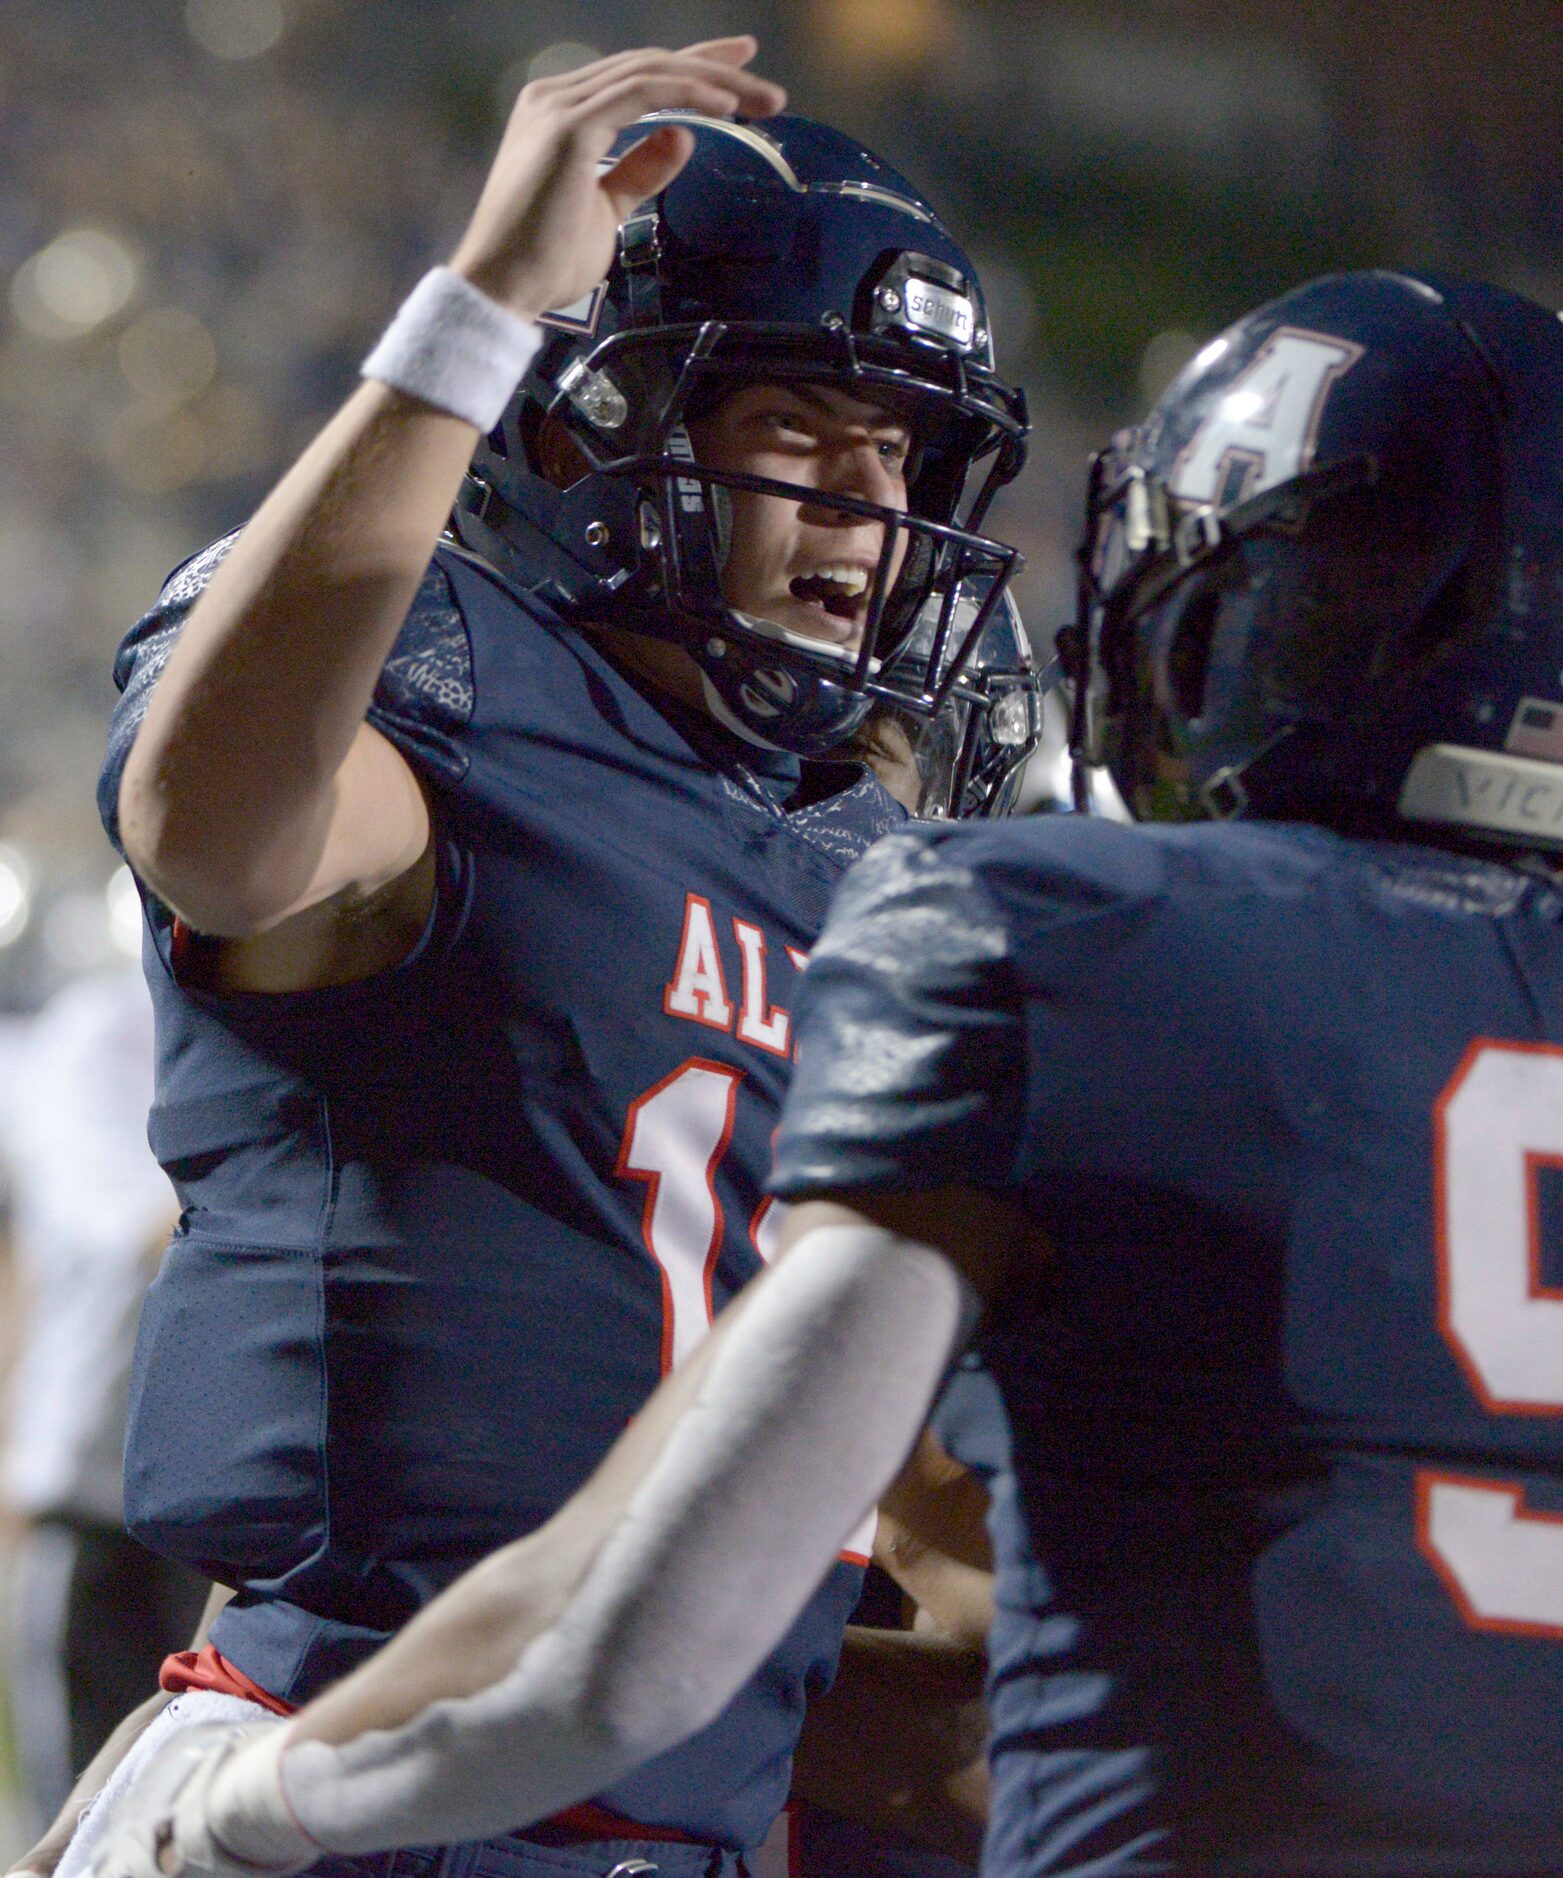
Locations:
(445, 1228)
(1281, 1583)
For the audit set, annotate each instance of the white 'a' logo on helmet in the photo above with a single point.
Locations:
(1265, 424)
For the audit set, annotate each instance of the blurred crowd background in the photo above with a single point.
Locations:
(211, 206)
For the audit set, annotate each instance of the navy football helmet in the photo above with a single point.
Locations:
(1324, 579)
(972, 752)
(782, 252)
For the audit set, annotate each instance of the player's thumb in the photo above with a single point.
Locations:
(647, 167)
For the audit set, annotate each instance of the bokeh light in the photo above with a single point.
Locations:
(151, 449)
(883, 38)
(124, 913)
(1163, 359)
(82, 279)
(76, 932)
(167, 355)
(565, 55)
(16, 893)
(235, 29)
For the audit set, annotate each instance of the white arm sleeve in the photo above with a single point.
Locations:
(811, 1405)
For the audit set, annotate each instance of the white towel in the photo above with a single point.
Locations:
(199, 1705)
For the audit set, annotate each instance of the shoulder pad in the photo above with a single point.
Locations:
(914, 876)
(909, 1047)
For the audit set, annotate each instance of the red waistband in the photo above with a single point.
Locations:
(209, 1669)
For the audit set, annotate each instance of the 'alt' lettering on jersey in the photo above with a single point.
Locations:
(698, 987)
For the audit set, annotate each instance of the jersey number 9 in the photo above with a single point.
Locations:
(1498, 1123)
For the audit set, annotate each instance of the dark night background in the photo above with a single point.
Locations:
(212, 206)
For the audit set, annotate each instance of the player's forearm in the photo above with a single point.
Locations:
(228, 795)
(805, 1411)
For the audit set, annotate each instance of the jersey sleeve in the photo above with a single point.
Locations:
(422, 703)
(139, 664)
(910, 1058)
(426, 694)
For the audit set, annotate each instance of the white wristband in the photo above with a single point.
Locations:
(455, 348)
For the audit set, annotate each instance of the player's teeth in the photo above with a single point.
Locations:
(831, 582)
(853, 579)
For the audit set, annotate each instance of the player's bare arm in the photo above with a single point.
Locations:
(932, 1540)
(898, 1743)
(255, 789)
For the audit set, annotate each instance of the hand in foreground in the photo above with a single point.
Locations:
(205, 1780)
(544, 229)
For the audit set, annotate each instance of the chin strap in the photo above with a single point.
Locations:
(730, 720)
(778, 706)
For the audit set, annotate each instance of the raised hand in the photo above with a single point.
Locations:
(544, 227)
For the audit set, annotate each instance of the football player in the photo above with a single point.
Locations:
(479, 877)
(1246, 1126)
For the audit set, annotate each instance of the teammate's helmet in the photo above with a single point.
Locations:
(971, 753)
(1324, 580)
(783, 251)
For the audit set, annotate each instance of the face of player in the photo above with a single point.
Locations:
(802, 565)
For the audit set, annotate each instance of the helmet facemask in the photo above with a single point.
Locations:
(774, 683)
(885, 312)
(972, 750)
(1207, 642)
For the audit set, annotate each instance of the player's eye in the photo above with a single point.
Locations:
(789, 418)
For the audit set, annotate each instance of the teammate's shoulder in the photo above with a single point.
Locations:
(1072, 861)
(1245, 859)
(1432, 879)
(933, 899)
(1056, 882)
